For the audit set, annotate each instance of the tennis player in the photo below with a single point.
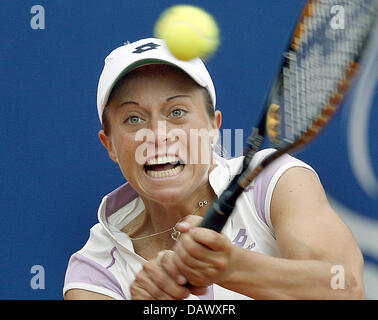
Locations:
(283, 240)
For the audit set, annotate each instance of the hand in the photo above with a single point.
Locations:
(202, 256)
(154, 283)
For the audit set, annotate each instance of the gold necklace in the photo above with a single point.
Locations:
(175, 234)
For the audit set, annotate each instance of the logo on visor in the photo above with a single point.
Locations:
(146, 47)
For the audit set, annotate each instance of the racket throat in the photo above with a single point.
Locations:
(247, 177)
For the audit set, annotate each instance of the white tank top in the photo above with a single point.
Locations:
(107, 264)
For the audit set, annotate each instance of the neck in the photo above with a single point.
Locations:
(166, 215)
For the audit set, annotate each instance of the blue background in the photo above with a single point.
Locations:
(54, 171)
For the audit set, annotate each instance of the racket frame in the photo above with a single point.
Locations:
(222, 207)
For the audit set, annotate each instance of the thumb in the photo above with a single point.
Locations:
(188, 223)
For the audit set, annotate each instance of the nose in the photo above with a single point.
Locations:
(167, 139)
(160, 134)
(153, 140)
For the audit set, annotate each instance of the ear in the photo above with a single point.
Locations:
(218, 119)
(216, 124)
(108, 144)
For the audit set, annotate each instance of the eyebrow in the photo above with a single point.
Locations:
(179, 96)
(168, 99)
(127, 102)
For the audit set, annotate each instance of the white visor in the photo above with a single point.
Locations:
(146, 51)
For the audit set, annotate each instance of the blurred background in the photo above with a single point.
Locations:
(54, 171)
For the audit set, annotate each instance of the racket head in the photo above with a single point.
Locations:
(317, 70)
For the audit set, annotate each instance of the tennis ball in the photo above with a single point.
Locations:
(189, 32)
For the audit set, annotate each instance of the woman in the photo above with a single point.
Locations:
(283, 241)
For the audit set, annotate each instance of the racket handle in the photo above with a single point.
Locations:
(216, 217)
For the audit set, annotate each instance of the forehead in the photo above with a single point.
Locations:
(162, 73)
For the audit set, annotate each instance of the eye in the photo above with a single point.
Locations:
(177, 113)
(133, 120)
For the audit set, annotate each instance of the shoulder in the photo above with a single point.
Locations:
(98, 266)
(89, 268)
(231, 167)
(263, 186)
(297, 194)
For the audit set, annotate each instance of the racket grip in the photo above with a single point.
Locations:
(216, 217)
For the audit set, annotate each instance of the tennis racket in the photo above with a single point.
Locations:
(317, 69)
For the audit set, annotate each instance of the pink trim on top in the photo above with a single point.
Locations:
(82, 269)
(113, 259)
(262, 183)
(119, 198)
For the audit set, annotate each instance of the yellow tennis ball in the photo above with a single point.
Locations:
(189, 32)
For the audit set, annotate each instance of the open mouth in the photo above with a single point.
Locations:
(164, 166)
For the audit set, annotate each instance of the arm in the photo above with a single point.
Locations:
(151, 283)
(87, 279)
(79, 294)
(311, 237)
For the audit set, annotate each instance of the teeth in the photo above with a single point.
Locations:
(165, 173)
(162, 160)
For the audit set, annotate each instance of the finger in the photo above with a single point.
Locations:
(144, 288)
(191, 253)
(189, 222)
(195, 271)
(167, 285)
(218, 248)
(160, 255)
(139, 293)
(170, 267)
(210, 239)
(154, 288)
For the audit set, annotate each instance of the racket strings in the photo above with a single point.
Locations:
(318, 69)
